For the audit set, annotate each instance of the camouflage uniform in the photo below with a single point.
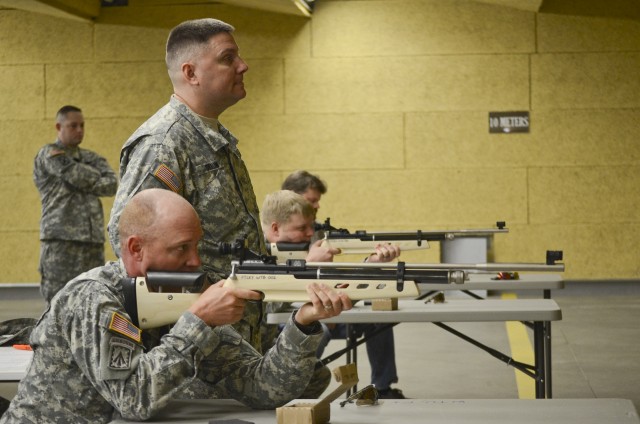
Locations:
(175, 150)
(70, 181)
(91, 364)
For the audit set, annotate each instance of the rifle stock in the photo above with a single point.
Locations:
(151, 309)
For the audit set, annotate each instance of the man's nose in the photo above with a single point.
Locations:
(243, 67)
(194, 261)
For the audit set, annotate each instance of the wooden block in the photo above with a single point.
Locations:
(384, 304)
(304, 413)
(319, 413)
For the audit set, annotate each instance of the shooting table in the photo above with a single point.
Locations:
(418, 411)
(538, 311)
(14, 363)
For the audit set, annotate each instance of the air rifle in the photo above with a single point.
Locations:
(363, 242)
(161, 297)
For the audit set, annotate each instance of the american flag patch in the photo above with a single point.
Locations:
(121, 325)
(167, 176)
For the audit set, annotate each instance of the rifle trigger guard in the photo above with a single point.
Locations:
(400, 276)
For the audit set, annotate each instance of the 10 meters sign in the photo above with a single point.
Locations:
(509, 122)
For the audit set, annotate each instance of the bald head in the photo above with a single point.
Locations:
(149, 212)
(160, 231)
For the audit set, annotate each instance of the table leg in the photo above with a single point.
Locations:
(352, 352)
(547, 352)
(540, 357)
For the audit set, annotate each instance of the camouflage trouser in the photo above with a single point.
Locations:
(61, 261)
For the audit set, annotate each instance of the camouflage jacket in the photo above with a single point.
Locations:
(70, 181)
(91, 364)
(175, 150)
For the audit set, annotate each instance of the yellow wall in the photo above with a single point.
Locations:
(387, 100)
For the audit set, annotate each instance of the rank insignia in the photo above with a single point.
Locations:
(168, 177)
(121, 325)
(120, 353)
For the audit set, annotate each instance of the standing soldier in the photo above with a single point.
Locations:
(70, 181)
(184, 148)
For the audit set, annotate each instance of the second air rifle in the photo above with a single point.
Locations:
(363, 242)
(161, 297)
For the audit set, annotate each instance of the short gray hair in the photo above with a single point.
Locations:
(186, 38)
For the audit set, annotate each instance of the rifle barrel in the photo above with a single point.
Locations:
(412, 235)
(485, 267)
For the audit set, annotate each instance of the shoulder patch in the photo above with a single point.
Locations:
(121, 325)
(120, 353)
(56, 152)
(168, 177)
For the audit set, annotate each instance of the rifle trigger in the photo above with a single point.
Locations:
(400, 276)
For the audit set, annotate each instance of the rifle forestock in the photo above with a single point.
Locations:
(288, 288)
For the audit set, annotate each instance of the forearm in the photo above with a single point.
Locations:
(161, 373)
(107, 184)
(281, 375)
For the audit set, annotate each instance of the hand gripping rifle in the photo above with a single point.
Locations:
(363, 242)
(149, 304)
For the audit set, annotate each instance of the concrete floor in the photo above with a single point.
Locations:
(595, 349)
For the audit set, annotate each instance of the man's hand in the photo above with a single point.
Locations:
(222, 305)
(318, 253)
(385, 253)
(325, 303)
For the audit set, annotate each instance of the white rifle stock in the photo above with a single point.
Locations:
(150, 307)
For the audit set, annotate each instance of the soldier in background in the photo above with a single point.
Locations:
(185, 149)
(70, 181)
(91, 363)
(381, 347)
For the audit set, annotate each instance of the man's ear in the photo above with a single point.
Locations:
(189, 73)
(275, 229)
(135, 248)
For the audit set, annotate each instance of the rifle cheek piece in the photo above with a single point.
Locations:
(148, 306)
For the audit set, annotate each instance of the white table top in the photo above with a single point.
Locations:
(484, 281)
(14, 363)
(456, 310)
(410, 411)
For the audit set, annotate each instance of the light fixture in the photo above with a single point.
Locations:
(305, 6)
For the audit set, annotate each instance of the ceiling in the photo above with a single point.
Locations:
(87, 10)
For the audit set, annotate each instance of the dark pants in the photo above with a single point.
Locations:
(380, 350)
